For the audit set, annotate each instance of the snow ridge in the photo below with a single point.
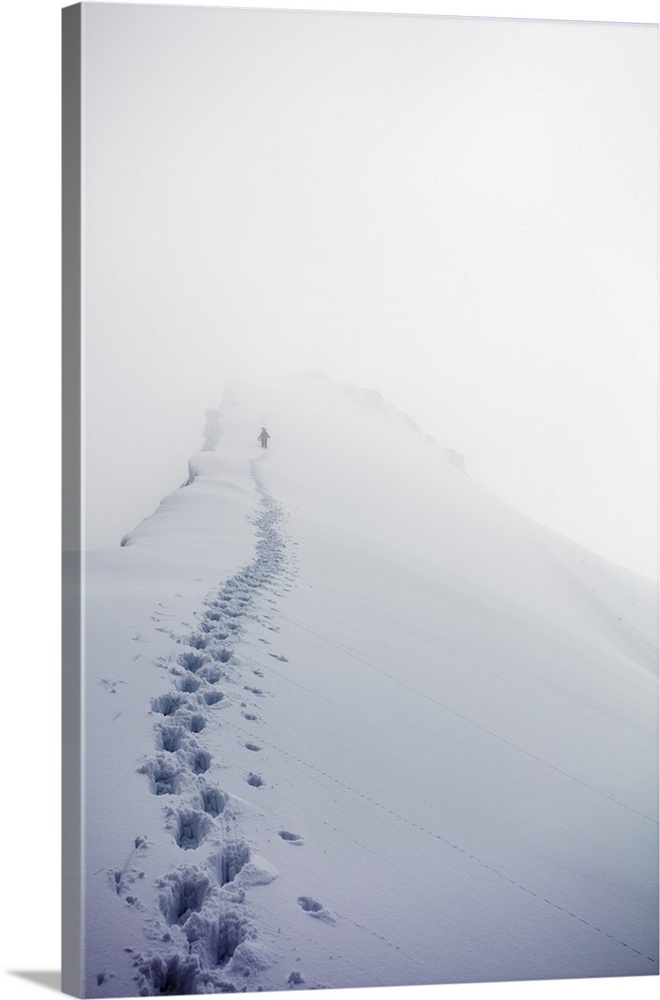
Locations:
(459, 744)
(204, 918)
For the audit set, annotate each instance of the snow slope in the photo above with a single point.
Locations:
(353, 721)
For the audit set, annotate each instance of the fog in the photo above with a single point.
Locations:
(460, 214)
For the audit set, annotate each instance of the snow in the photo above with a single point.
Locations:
(353, 721)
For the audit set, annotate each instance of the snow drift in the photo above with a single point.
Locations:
(353, 721)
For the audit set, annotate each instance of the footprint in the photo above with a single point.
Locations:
(198, 640)
(164, 776)
(170, 738)
(189, 828)
(213, 800)
(291, 838)
(192, 661)
(121, 878)
(223, 655)
(199, 761)
(182, 893)
(110, 685)
(195, 722)
(188, 684)
(167, 704)
(229, 861)
(316, 909)
(213, 697)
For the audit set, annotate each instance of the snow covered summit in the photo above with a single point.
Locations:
(353, 721)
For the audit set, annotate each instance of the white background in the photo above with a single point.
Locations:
(30, 399)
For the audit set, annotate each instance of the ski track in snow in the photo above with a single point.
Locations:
(466, 719)
(453, 846)
(210, 941)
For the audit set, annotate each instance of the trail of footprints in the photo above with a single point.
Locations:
(203, 920)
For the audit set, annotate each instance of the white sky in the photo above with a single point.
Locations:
(460, 213)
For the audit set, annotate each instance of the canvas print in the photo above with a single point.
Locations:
(360, 581)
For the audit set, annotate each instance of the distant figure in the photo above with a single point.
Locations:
(263, 437)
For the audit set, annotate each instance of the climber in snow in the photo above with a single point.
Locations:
(263, 437)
